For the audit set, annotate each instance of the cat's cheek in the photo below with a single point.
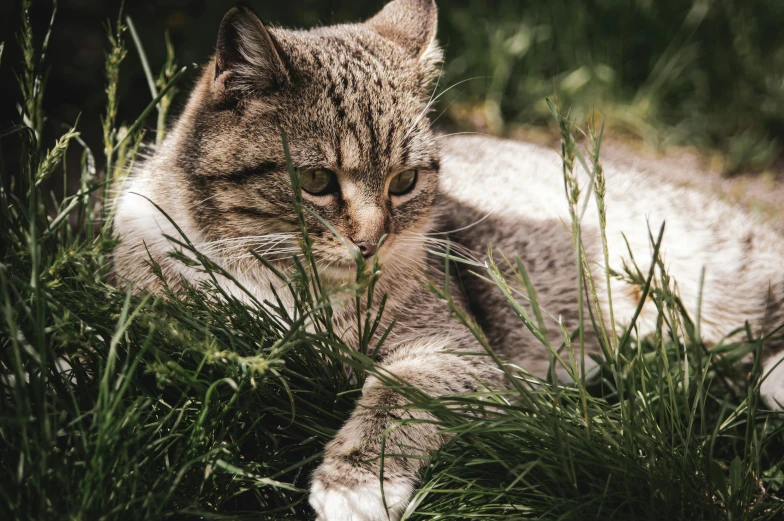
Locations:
(359, 503)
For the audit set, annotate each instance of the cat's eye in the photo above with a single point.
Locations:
(319, 181)
(403, 182)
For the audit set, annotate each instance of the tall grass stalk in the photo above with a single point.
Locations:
(114, 58)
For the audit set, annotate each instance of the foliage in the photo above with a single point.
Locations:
(701, 72)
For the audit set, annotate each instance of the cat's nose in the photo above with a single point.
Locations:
(367, 248)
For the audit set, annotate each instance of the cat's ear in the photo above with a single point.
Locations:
(409, 23)
(412, 24)
(247, 58)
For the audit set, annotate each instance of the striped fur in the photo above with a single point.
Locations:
(354, 99)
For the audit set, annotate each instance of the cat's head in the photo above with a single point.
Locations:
(353, 100)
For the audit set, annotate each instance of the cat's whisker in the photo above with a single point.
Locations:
(432, 121)
(326, 266)
(447, 244)
(443, 136)
(438, 81)
(279, 256)
(455, 255)
(486, 216)
(443, 243)
(262, 249)
(199, 203)
(392, 268)
(232, 246)
(249, 238)
(246, 240)
(273, 249)
(250, 255)
(432, 101)
(435, 89)
(443, 246)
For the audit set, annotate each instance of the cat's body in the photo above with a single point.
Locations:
(517, 192)
(353, 101)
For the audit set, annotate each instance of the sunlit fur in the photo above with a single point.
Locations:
(354, 99)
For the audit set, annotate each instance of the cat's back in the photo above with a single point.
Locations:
(522, 181)
(502, 176)
(511, 195)
(527, 180)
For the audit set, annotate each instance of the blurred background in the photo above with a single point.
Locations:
(707, 74)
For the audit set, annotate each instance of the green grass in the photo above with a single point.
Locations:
(673, 72)
(194, 405)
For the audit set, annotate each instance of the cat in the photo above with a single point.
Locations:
(353, 100)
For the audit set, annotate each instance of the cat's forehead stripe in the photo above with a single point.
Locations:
(350, 151)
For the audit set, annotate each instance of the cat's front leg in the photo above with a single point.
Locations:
(347, 485)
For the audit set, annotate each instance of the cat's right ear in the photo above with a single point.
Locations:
(409, 23)
(247, 57)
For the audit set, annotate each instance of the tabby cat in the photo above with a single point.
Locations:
(353, 100)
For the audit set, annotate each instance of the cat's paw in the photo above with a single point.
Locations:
(772, 389)
(361, 502)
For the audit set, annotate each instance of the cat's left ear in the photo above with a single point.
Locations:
(409, 23)
(247, 57)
